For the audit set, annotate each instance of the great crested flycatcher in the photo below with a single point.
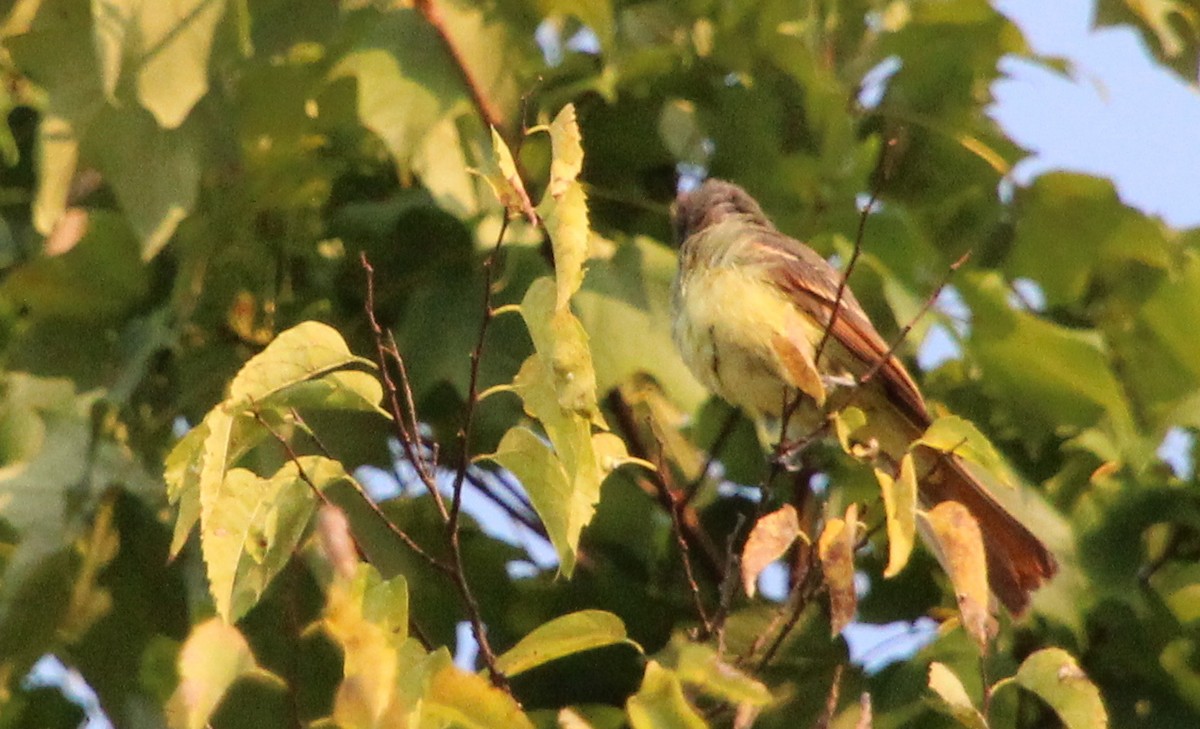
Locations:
(751, 308)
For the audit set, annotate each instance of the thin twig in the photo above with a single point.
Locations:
(529, 521)
(464, 434)
(674, 502)
(384, 353)
(714, 453)
(388, 523)
(491, 115)
(929, 301)
(711, 559)
(839, 297)
(831, 700)
(410, 443)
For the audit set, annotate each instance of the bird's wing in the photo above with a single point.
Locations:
(812, 284)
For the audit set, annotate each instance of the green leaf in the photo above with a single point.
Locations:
(550, 490)
(699, 666)
(154, 172)
(563, 636)
(500, 172)
(631, 292)
(900, 508)
(46, 40)
(959, 436)
(562, 345)
(400, 57)
(1053, 675)
(341, 390)
(212, 659)
(470, 701)
(660, 704)
(1070, 383)
(47, 456)
(1060, 207)
(167, 43)
(100, 280)
(301, 353)
(253, 526)
(954, 699)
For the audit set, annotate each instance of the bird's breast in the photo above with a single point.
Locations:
(728, 325)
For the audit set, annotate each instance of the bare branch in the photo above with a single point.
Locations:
(464, 434)
(913, 322)
(374, 507)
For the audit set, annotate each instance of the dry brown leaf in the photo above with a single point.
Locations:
(771, 536)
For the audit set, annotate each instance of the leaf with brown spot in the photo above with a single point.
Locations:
(771, 536)
(836, 549)
(960, 546)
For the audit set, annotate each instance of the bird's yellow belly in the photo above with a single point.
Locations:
(727, 325)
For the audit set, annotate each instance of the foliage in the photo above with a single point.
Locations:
(278, 311)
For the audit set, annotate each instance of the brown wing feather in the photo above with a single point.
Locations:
(812, 284)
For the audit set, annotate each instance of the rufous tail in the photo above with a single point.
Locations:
(1017, 561)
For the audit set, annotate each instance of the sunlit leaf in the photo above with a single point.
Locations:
(307, 350)
(1056, 677)
(900, 509)
(954, 697)
(470, 701)
(845, 423)
(384, 672)
(631, 293)
(214, 656)
(501, 174)
(566, 150)
(173, 40)
(562, 344)
(550, 490)
(563, 636)
(254, 524)
(771, 537)
(341, 390)
(952, 434)
(835, 547)
(660, 704)
(699, 666)
(960, 547)
(400, 57)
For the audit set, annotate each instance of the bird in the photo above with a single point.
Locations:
(754, 320)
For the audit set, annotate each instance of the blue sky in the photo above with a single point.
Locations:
(1118, 115)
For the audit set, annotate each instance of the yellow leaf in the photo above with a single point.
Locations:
(960, 547)
(771, 536)
(900, 505)
(566, 218)
(214, 656)
(550, 491)
(845, 423)
(564, 207)
(954, 697)
(563, 636)
(566, 145)
(305, 351)
(470, 701)
(562, 344)
(836, 550)
(502, 176)
(952, 434)
(660, 704)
